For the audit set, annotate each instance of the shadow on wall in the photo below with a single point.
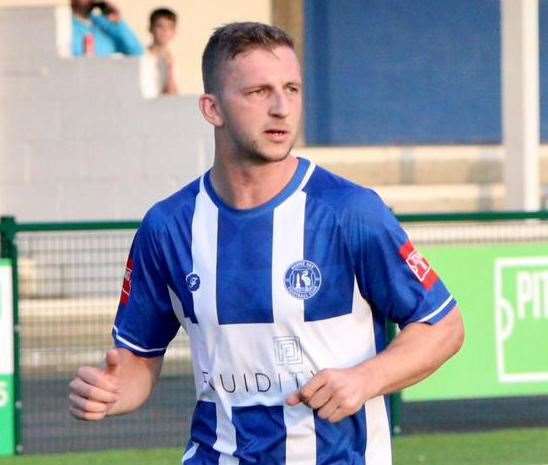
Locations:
(77, 139)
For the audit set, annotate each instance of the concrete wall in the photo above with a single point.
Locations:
(197, 19)
(414, 72)
(77, 140)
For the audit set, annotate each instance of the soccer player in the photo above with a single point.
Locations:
(284, 277)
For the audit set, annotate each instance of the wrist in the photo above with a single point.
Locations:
(371, 378)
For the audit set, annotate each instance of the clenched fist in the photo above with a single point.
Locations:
(95, 391)
(334, 393)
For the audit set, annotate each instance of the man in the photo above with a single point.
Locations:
(283, 276)
(98, 30)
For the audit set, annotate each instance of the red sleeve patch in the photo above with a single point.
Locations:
(126, 286)
(418, 265)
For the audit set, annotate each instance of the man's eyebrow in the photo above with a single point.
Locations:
(257, 86)
(266, 85)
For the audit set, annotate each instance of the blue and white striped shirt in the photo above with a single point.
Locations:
(269, 296)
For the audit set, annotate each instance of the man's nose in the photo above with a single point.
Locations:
(280, 105)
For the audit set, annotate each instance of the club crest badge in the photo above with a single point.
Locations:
(192, 282)
(303, 279)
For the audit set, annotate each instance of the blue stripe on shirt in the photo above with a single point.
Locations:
(204, 434)
(260, 434)
(325, 246)
(179, 247)
(341, 443)
(244, 264)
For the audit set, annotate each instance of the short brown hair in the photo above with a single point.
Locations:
(233, 39)
(162, 13)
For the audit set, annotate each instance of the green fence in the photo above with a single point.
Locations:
(498, 272)
(66, 283)
(67, 279)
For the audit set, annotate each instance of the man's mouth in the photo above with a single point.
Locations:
(277, 135)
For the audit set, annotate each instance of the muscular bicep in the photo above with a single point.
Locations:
(443, 338)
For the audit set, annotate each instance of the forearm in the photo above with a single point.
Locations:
(170, 87)
(170, 84)
(124, 38)
(138, 376)
(418, 351)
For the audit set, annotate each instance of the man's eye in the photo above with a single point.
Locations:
(293, 89)
(258, 92)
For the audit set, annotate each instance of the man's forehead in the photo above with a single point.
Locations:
(260, 63)
(164, 21)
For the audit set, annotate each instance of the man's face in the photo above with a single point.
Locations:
(260, 99)
(163, 30)
(82, 6)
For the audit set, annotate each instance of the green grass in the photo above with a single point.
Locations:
(111, 457)
(509, 447)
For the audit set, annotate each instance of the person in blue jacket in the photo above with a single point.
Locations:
(98, 30)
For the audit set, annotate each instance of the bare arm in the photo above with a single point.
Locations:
(170, 86)
(418, 351)
(122, 386)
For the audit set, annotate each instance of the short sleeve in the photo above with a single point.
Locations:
(394, 277)
(145, 322)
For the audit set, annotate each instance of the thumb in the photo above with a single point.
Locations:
(113, 361)
(294, 399)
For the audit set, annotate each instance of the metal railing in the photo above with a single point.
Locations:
(66, 283)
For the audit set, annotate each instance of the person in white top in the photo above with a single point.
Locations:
(158, 65)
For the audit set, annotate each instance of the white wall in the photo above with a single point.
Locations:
(77, 140)
(197, 19)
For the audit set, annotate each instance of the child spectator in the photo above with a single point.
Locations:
(158, 67)
(98, 30)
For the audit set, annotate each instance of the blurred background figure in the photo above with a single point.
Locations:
(98, 30)
(158, 66)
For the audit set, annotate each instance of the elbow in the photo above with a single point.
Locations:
(456, 335)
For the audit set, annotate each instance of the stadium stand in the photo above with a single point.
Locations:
(77, 131)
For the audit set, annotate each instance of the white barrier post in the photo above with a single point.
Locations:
(7, 391)
(520, 103)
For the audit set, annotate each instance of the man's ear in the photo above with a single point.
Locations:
(210, 108)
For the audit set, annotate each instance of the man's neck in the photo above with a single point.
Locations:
(249, 185)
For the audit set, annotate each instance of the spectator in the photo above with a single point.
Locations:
(158, 66)
(98, 29)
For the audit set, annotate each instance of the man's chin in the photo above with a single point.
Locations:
(273, 155)
(281, 156)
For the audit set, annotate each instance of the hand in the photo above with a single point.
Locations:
(95, 391)
(112, 12)
(334, 393)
